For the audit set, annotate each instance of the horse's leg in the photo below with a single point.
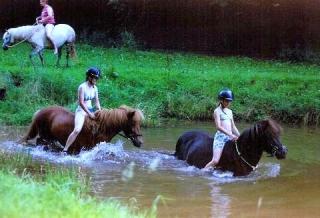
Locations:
(68, 54)
(59, 56)
(41, 56)
(36, 51)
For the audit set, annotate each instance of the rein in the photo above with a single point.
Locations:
(14, 45)
(126, 137)
(244, 160)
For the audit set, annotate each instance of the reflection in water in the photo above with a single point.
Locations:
(220, 202)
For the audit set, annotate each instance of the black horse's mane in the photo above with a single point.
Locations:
(267, 126)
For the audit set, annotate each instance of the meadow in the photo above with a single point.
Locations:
(162, 84)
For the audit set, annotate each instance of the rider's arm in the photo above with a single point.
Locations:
(234, 128)
(97, 99)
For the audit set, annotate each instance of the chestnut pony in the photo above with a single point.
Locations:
(54, 124)
(240, 157)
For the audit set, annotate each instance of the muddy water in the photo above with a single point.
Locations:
(287, 188)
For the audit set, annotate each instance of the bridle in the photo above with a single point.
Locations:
(244, 160)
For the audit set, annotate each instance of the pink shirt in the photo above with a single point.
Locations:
(47, 15)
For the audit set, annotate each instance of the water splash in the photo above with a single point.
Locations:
(150, 160)
(101, 152)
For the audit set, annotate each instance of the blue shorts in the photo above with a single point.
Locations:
(219, 140)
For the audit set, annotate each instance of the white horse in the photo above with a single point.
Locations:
(61, 34)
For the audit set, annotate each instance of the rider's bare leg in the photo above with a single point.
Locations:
(215, 159)
(49, 29)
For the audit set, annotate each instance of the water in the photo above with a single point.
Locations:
(287, 188)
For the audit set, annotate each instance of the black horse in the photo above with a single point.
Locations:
(240, 157)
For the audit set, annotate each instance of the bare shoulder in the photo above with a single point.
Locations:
(217, 110)
(229, 111)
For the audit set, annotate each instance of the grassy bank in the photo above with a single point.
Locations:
(173, 85)
(28, 189)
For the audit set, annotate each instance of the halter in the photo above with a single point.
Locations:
(244, 160)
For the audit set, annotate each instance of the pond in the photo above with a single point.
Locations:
(286, 188)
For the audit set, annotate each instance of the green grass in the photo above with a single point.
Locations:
(29, 189)
(163, 85)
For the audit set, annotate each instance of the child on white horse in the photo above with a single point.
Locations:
(47, 19)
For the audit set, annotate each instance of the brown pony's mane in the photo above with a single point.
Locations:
(112, 118)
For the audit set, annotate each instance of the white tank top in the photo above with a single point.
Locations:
(89, 93)
(225, 114)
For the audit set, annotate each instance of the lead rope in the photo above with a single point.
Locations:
(244, 160)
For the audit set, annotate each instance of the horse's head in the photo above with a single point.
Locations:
(125, 119)
(132, 129)
(271, 140)
(7, 40)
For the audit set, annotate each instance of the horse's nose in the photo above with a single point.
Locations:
(5, 47)
(137, 142)
(283, 153)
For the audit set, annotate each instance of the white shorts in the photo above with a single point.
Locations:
(219, 140)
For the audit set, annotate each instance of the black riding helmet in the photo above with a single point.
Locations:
(93, 72)
(226, 94)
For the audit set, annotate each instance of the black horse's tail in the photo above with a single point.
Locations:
(178, 152)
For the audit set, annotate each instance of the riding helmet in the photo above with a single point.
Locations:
(94, 72)
(226, 94)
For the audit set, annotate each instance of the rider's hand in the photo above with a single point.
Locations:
(234, 138)
(92, 116)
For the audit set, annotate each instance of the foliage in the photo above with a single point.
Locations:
(162, 84)
(51, 191)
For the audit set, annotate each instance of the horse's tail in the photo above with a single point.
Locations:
(72, 49)
(32, 131)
